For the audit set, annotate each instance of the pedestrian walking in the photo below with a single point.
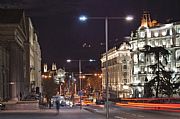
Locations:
(57, 106)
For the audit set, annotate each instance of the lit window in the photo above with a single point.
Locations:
(156, 34)
(178, 41)
(141, 57)
(164, 42)
(135, 46)
(135, 58)
(156, 42)
(170, 32)
(148, 34)
(141, 44)
(178, 31)
(178, 55)
(152, 59)
(164, 33)
(142, 34)
(168, 42)
(136, 69)
(142, 69)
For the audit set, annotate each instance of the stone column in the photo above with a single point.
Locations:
(13, 72)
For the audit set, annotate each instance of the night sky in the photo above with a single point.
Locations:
(62, 36)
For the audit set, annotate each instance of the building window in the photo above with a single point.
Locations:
(170, 32)
(141, 44)
(142, 69)
(164, 42)
(156, 34)
(135, 58)
(136, 69)
(178, 30)
(152, 59)
(125, 74)
(142, 34)
(164, 32)
(178, 41)
(156, 42)
(141, 57)
(169, 42)
(178, 55)
(149, 34)
(134, 46)
(124, 66)
(125, 81)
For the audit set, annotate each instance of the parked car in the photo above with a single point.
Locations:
(2, 106)
(100, 102)
(31, 97)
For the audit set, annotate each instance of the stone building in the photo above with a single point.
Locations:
(153, 34)
(119, 71)
(14, 61)
(128, 69)
(33, 56)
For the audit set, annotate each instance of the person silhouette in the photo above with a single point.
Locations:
(57, 106)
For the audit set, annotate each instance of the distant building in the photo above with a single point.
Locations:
(119, 71)
(15, 55)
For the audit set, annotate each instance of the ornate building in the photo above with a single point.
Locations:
(15, 55)
(128, 69)
(119, 71)
(153, 34)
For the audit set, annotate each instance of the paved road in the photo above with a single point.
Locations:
(130, 113)
(65, 113)
(91, 112)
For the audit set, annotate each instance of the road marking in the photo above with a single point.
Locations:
(119, 117)
(140, 116)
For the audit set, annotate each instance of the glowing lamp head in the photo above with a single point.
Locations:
(68, 60)
(129, 18)
(83, 18)
(91, 60)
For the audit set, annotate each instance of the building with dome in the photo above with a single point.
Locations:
(155, 35)
(128, 69)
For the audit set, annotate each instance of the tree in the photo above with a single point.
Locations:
(49, 88)
(162, 80)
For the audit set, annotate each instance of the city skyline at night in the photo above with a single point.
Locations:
(62, 36)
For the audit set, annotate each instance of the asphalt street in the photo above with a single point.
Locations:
(88, 112)
(65, 113)
(133, 113)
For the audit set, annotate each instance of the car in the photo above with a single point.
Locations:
(87, 102)
(2, 106)
(100, 102)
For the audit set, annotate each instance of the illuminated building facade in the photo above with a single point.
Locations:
(153, 34)
(119, 71)
(17, 56)
(33, 56)
(128, 66)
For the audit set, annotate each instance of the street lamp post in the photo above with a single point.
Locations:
(128, 18)
(80, 82)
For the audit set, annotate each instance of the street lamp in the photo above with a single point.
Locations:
(128, 18)
(80, 82)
